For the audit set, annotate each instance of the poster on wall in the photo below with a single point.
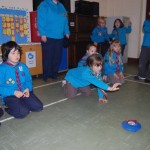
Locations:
(14, 25)
(31, 59)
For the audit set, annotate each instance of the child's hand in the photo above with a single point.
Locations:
(121, 75)
(114, 87)
(116, 76)
(103, 100)
(18, 94)
(26, 93)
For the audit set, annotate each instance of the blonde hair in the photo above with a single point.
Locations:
(101, 19)
(111, 51)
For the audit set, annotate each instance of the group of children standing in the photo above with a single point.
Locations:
(100, 36)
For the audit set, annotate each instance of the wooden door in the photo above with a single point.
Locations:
(148, 9)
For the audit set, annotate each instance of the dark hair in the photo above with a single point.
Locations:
(7, 47)
(94, 60)
(121, 23)
(90, 45)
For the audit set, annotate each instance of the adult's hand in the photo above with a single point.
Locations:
(44, 39)
(67, 36)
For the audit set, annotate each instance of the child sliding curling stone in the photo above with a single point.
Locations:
(79, 79)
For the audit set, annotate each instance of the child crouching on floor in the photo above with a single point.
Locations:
(79, 79)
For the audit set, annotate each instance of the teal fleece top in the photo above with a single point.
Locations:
(100, 34)
(120, 34)
(110, 66)
(52, 20)
(84, 76)
(8, 78)
(146, 30)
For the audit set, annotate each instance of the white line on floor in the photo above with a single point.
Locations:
(137, 82)
(53, 103)
(47, 84)
(128, 76)
(59, 101)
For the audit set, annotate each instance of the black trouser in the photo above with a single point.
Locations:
(122, 49)
(1, 112)
(104, 47)
(51, 54)
(144, 63)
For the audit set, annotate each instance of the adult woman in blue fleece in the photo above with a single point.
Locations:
(144, 60)
(79, 79)
(119, 33)
(52, 22)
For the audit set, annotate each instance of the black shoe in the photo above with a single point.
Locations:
(45, 79)
(147, 81)
(138, 78)
(54, 77)
(1, 112)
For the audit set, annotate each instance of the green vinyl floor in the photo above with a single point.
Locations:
(81, 123)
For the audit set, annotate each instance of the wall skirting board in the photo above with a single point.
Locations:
(133, 60)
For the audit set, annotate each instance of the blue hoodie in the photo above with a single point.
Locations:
(52, 20)
(120, 34)
(146, 30)
(8, 78)
(99, 34)
(84, 76)
(110, 65)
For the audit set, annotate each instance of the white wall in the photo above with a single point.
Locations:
(27, 4)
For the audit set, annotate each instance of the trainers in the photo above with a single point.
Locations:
(139, 78)
(63, 82)
(147, 81)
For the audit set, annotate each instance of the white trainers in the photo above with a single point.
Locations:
(141, 78)
(63, 82)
